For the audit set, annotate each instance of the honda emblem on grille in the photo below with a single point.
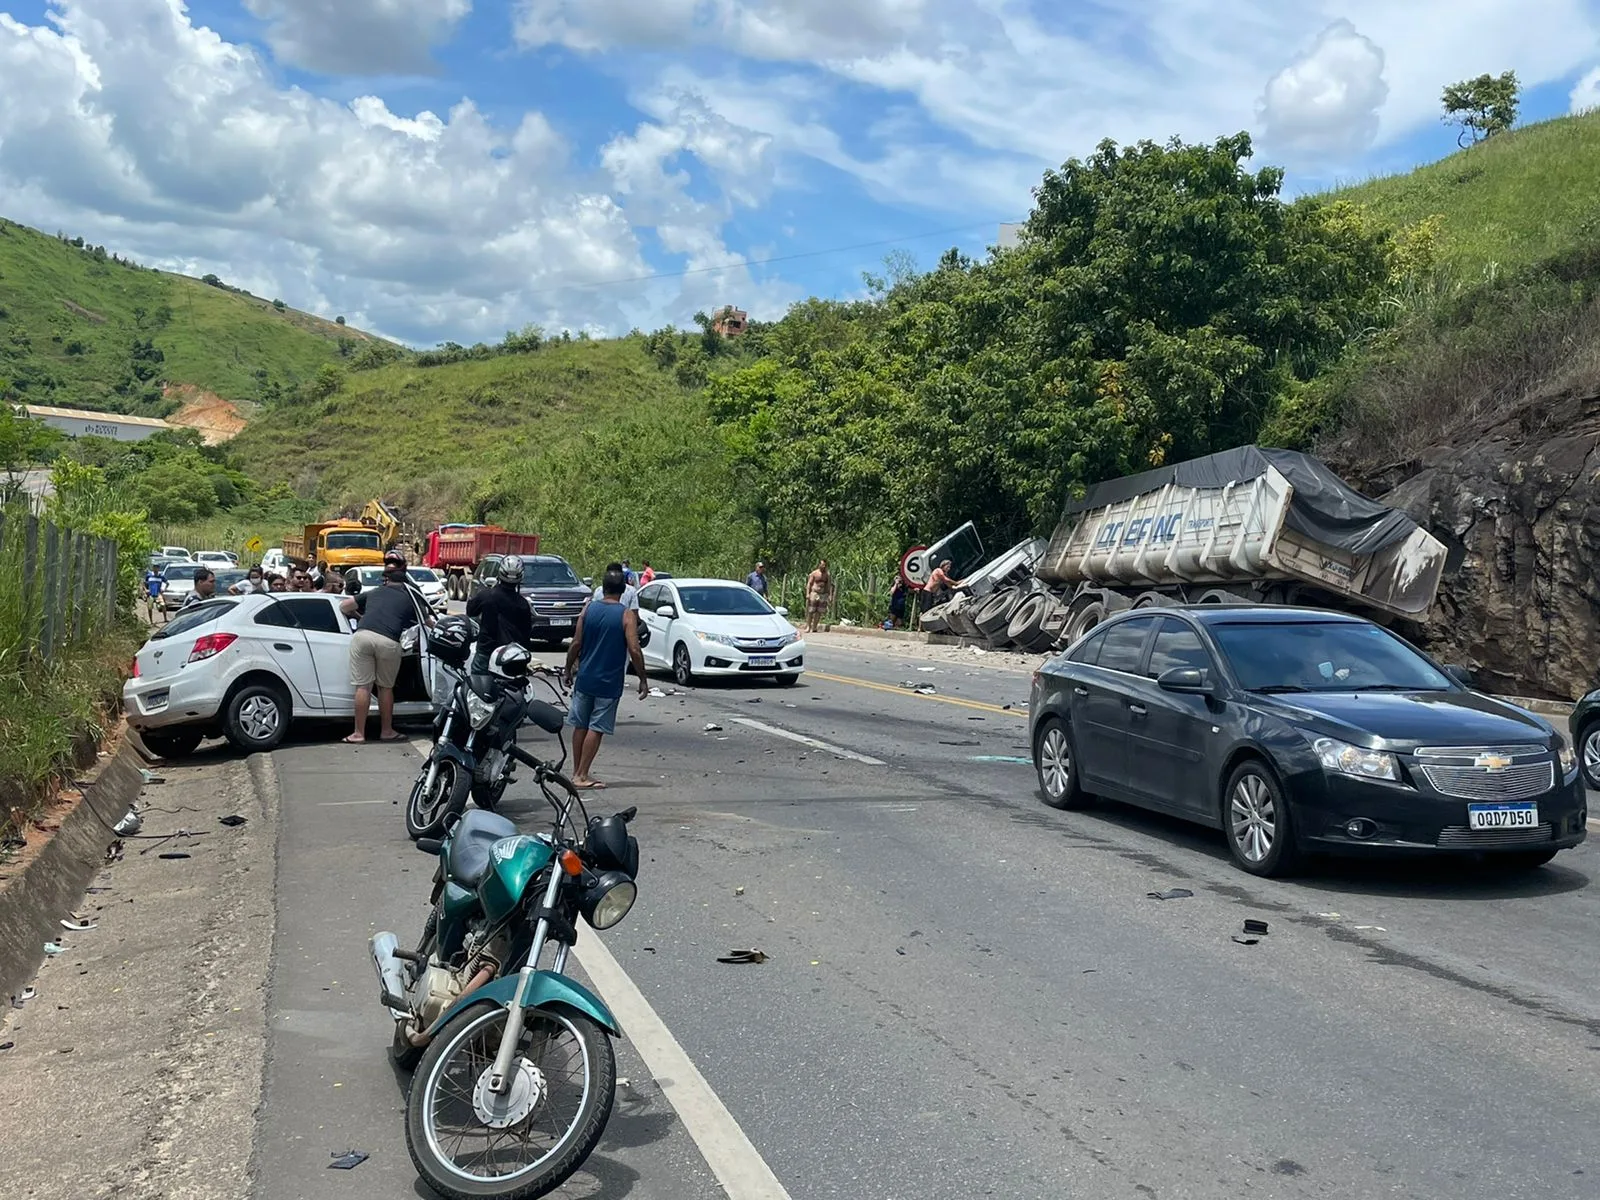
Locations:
(1491, 762)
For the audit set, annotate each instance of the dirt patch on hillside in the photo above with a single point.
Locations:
(86, 314)
(216, 419)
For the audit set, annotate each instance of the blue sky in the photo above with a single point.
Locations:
(449, 169)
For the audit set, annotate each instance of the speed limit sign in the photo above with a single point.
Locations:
(913, 569)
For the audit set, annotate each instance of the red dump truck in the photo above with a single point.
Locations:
(456, 550)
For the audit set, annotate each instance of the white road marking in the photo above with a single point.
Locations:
(737, 1164)
(1594, 824)
(814, 743)
(343, 803)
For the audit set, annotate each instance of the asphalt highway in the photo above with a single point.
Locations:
(967, 993)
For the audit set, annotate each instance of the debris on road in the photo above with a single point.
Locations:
(51, 948)
(347, 1160)
(713, 727)
(927, 668)
(1171, 894)
(23, 997)
(129, 825)
(77, 924)
(173, 854)
(738, 891)
(232, 820)
(1254, 926)
(740, 957)
(1254, 931)
(150, 777)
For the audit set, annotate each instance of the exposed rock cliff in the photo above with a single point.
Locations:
(1517, 500)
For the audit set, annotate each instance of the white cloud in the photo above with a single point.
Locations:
(1326, 101)
(1585, 95)
(358, 37)
(128, 124)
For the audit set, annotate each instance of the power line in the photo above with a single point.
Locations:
(762, 262)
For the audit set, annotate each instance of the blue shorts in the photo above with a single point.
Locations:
(592, 712)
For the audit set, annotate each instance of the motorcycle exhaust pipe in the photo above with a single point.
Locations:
(391, 975)
(420, 1038)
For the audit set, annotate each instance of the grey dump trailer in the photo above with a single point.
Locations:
(1248, 525)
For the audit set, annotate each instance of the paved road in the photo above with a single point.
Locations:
(970, 994)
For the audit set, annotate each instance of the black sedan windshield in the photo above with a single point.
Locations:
(723, 602)
(1322, 656)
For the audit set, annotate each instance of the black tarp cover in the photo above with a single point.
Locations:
(1324, 508)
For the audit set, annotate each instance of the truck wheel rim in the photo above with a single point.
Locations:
(259, 718)
(1055, 764)
(1253, 817)
(449, 1114)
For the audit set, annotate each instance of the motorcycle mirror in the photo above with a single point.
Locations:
(629, 814)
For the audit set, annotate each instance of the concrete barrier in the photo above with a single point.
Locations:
(36, 897)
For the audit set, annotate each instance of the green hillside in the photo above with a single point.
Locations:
(71, 318)
(1516, 199)
(426, 437)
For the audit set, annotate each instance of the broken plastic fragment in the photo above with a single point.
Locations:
(52, 949)
(77, 924)
(738, 957)
(1171, 894)
(347, 1160)
(129, 825)
(713, 727)
(232, 820)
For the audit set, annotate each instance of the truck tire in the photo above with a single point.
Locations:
(994, 615)
(1082, 621)
(1028, 618)
(1153, 600)
(1050, 625)
(935, 620)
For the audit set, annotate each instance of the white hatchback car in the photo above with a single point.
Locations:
(429, 583)
(243, 667)
(703, 627)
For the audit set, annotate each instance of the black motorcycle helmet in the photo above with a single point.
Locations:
(451, 639)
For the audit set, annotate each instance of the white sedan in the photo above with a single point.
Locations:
(243, 667)
(709, 627)
(427, 582)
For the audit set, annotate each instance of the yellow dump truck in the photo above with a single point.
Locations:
(335, 545)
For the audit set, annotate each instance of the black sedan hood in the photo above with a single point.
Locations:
(1404, 720)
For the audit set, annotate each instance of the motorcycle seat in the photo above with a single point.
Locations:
(471, 843)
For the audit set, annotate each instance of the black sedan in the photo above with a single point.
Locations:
(1298, 731)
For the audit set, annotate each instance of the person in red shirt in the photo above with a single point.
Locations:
(646, 575)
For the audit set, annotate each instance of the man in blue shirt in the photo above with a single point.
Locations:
(756, 581)
(604, 643)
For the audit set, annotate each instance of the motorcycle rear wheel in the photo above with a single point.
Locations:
(452, 1068)
(427, 813)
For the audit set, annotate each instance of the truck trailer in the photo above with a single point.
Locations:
(1247, 525)
(456, 550)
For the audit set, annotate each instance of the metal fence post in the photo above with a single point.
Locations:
(30, 584)
(80, 572)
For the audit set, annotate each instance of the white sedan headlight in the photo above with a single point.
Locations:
(789, 638)
(720, 639)
(1355, 760)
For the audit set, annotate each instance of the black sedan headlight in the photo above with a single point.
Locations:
(1345, 759)
(607, 898)
(1566, 756)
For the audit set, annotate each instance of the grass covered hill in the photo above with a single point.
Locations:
(1517, 199)
(428, 437)
(83, 328)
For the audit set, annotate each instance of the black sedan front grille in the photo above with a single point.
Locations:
(1459, 837)
(1493, 774)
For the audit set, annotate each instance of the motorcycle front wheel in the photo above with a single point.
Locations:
(467, 1142)
(428, 809)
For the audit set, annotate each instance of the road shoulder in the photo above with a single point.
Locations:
(136, 1068)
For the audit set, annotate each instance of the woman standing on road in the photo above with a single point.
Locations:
(819, 594)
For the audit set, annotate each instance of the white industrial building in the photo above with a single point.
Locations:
(76, 422)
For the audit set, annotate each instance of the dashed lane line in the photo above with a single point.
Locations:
(814, 743)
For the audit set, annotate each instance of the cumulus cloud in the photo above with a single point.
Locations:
(1585, 96)
(128, 122)
(358, 37)
(1326, 101)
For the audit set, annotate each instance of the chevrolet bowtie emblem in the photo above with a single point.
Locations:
(1491, 762)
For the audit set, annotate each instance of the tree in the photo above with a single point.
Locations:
(338, 320)
(279, 305)
(1482, 107)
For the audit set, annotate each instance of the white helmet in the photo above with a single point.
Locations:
(510, 662)
(510, 570)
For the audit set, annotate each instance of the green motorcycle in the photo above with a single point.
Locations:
(514, 1069)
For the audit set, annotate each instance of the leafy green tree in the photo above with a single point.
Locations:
(1483, 106)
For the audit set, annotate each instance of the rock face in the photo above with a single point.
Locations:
(1517, 501)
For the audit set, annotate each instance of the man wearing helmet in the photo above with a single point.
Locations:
(502, 612)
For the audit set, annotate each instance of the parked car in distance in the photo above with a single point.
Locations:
(1584, 725)
(177, 553)
(274, 562)
(709, 627)
(1297, 731)
(431, 585)
(179, 578)
(160, 562)
(243, 667)
(214, 559)
(554, 592)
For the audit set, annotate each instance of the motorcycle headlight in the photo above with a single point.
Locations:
(1355, 760)
(1566, 755)
(479, 711)
(607, 898)
(720, 639)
